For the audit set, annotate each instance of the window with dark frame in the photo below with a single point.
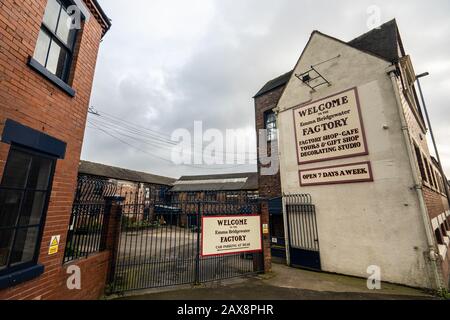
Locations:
(210, 196)
(438, 235)
(420, 163)
(55, 45)
(24, 195)
(430, 174)
(442, 183)
(438, 181)
(436, 184)
(436, 178)
(447, 225)
(270, 124)
(443, 229)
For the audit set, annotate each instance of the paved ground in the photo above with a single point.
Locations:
(284, 284)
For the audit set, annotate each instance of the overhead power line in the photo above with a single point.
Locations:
(96, 127)
(148, 135)
(155, 143)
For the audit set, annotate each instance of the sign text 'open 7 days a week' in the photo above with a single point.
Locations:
(331, 129)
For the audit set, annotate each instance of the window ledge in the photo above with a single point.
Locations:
(51, 77)
(446, 240)
(442, 251)
(21, 276)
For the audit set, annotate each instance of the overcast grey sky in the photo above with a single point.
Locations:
(166, 63)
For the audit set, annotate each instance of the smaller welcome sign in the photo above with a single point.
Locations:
(347, 173)
(222, 235)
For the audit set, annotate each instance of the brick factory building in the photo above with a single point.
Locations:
(238, 182)
(360, 189)
(126, 179)
(130, 184)
(47, 68)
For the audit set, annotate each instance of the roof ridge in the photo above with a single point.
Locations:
(375, 29)
(121, 168)
(218, 175)
(384, 52)
(272, 84)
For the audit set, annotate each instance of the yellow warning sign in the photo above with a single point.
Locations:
(54, 245)
(265, 229)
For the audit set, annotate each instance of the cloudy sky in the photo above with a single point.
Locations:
(167, 63)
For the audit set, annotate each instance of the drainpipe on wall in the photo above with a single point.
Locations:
(287, 243)
(391, 71)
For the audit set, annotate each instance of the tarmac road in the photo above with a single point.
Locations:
(286, 284)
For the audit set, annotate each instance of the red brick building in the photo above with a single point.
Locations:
(270, 185)
(48, 52)
(265, 101)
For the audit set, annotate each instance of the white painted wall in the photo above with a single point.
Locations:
(360, 224)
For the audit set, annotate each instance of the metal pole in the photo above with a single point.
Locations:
(432, 138)
(287, 233)
(197, 258)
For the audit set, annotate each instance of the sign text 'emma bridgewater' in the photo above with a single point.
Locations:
(330, 128)
(231, 234)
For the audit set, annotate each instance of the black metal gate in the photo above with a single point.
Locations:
(160, 235)
(276, 227)
(86, 227)
(302, 232)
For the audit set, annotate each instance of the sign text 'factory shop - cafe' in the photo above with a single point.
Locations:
(329, 129)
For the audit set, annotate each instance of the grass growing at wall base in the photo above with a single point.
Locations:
(443, 293)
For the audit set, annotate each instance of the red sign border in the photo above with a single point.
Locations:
(370, 179)
(230, 253)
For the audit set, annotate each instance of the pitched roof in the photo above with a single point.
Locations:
(274, 83)
(101, 170)
(247, 181)
(382, 42)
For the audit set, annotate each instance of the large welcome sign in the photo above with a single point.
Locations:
(222, 235)
(331, 128)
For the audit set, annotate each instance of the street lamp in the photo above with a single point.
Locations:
(432, 135)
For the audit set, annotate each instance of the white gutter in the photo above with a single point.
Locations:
(391, 71)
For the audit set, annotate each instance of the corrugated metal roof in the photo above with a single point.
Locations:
(101, 170)
(220, 182)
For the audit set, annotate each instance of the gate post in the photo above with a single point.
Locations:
(197, 258)
(263, 261)
(111, 231)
